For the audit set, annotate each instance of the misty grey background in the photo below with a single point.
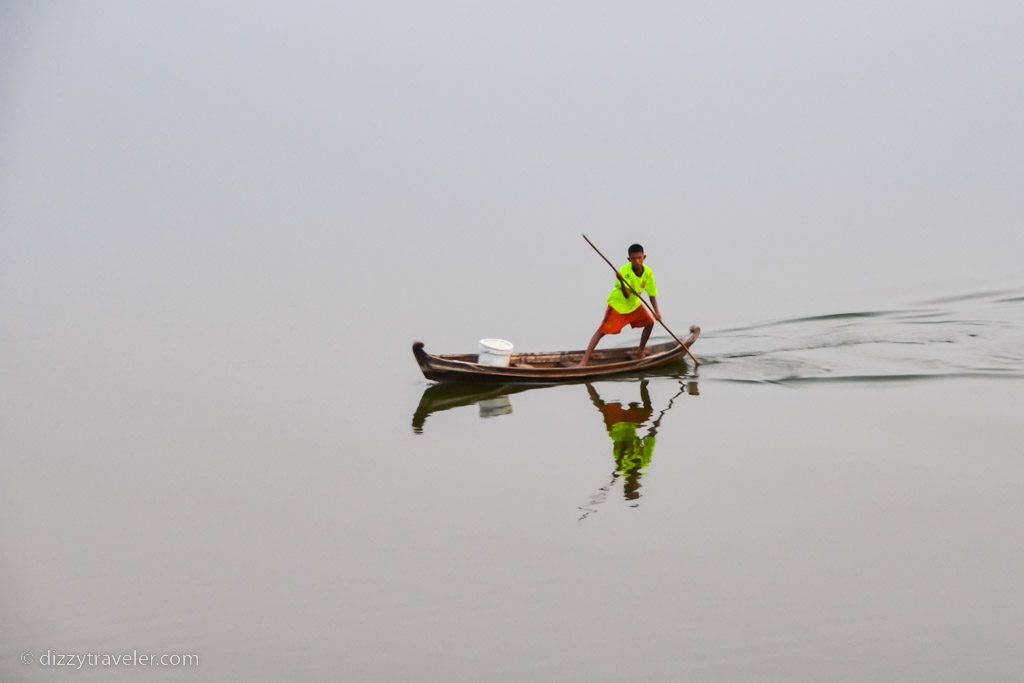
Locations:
(765, 152)
(222, 224)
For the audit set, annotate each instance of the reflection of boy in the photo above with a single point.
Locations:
(624, 306)
(632, 452)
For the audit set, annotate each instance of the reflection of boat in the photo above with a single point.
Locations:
(493, 400)
(557, 366)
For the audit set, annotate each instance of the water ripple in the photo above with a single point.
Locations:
(967, 335)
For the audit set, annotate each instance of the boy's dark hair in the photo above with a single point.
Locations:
(634, 248)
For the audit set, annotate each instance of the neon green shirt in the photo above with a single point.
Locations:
(640, 283)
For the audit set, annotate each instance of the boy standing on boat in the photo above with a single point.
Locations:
(624, 307)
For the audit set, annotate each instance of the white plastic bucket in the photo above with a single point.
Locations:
(495, 352)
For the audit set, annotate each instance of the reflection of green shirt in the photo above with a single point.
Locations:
(643, 282)
(632, 453)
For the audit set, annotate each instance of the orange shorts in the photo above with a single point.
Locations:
(614, 321)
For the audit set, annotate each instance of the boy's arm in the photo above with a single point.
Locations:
(657, 311)
(622, 285)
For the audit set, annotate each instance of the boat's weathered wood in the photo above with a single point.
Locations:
(557, 366)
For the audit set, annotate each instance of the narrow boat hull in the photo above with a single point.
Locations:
(558, 366)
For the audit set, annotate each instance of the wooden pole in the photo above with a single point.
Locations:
(656, 317)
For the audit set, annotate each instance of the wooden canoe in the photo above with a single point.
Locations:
(557, 366)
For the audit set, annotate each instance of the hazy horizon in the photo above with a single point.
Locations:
(222, 224)
(762, 151)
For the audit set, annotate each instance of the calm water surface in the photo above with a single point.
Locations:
(830, 496)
